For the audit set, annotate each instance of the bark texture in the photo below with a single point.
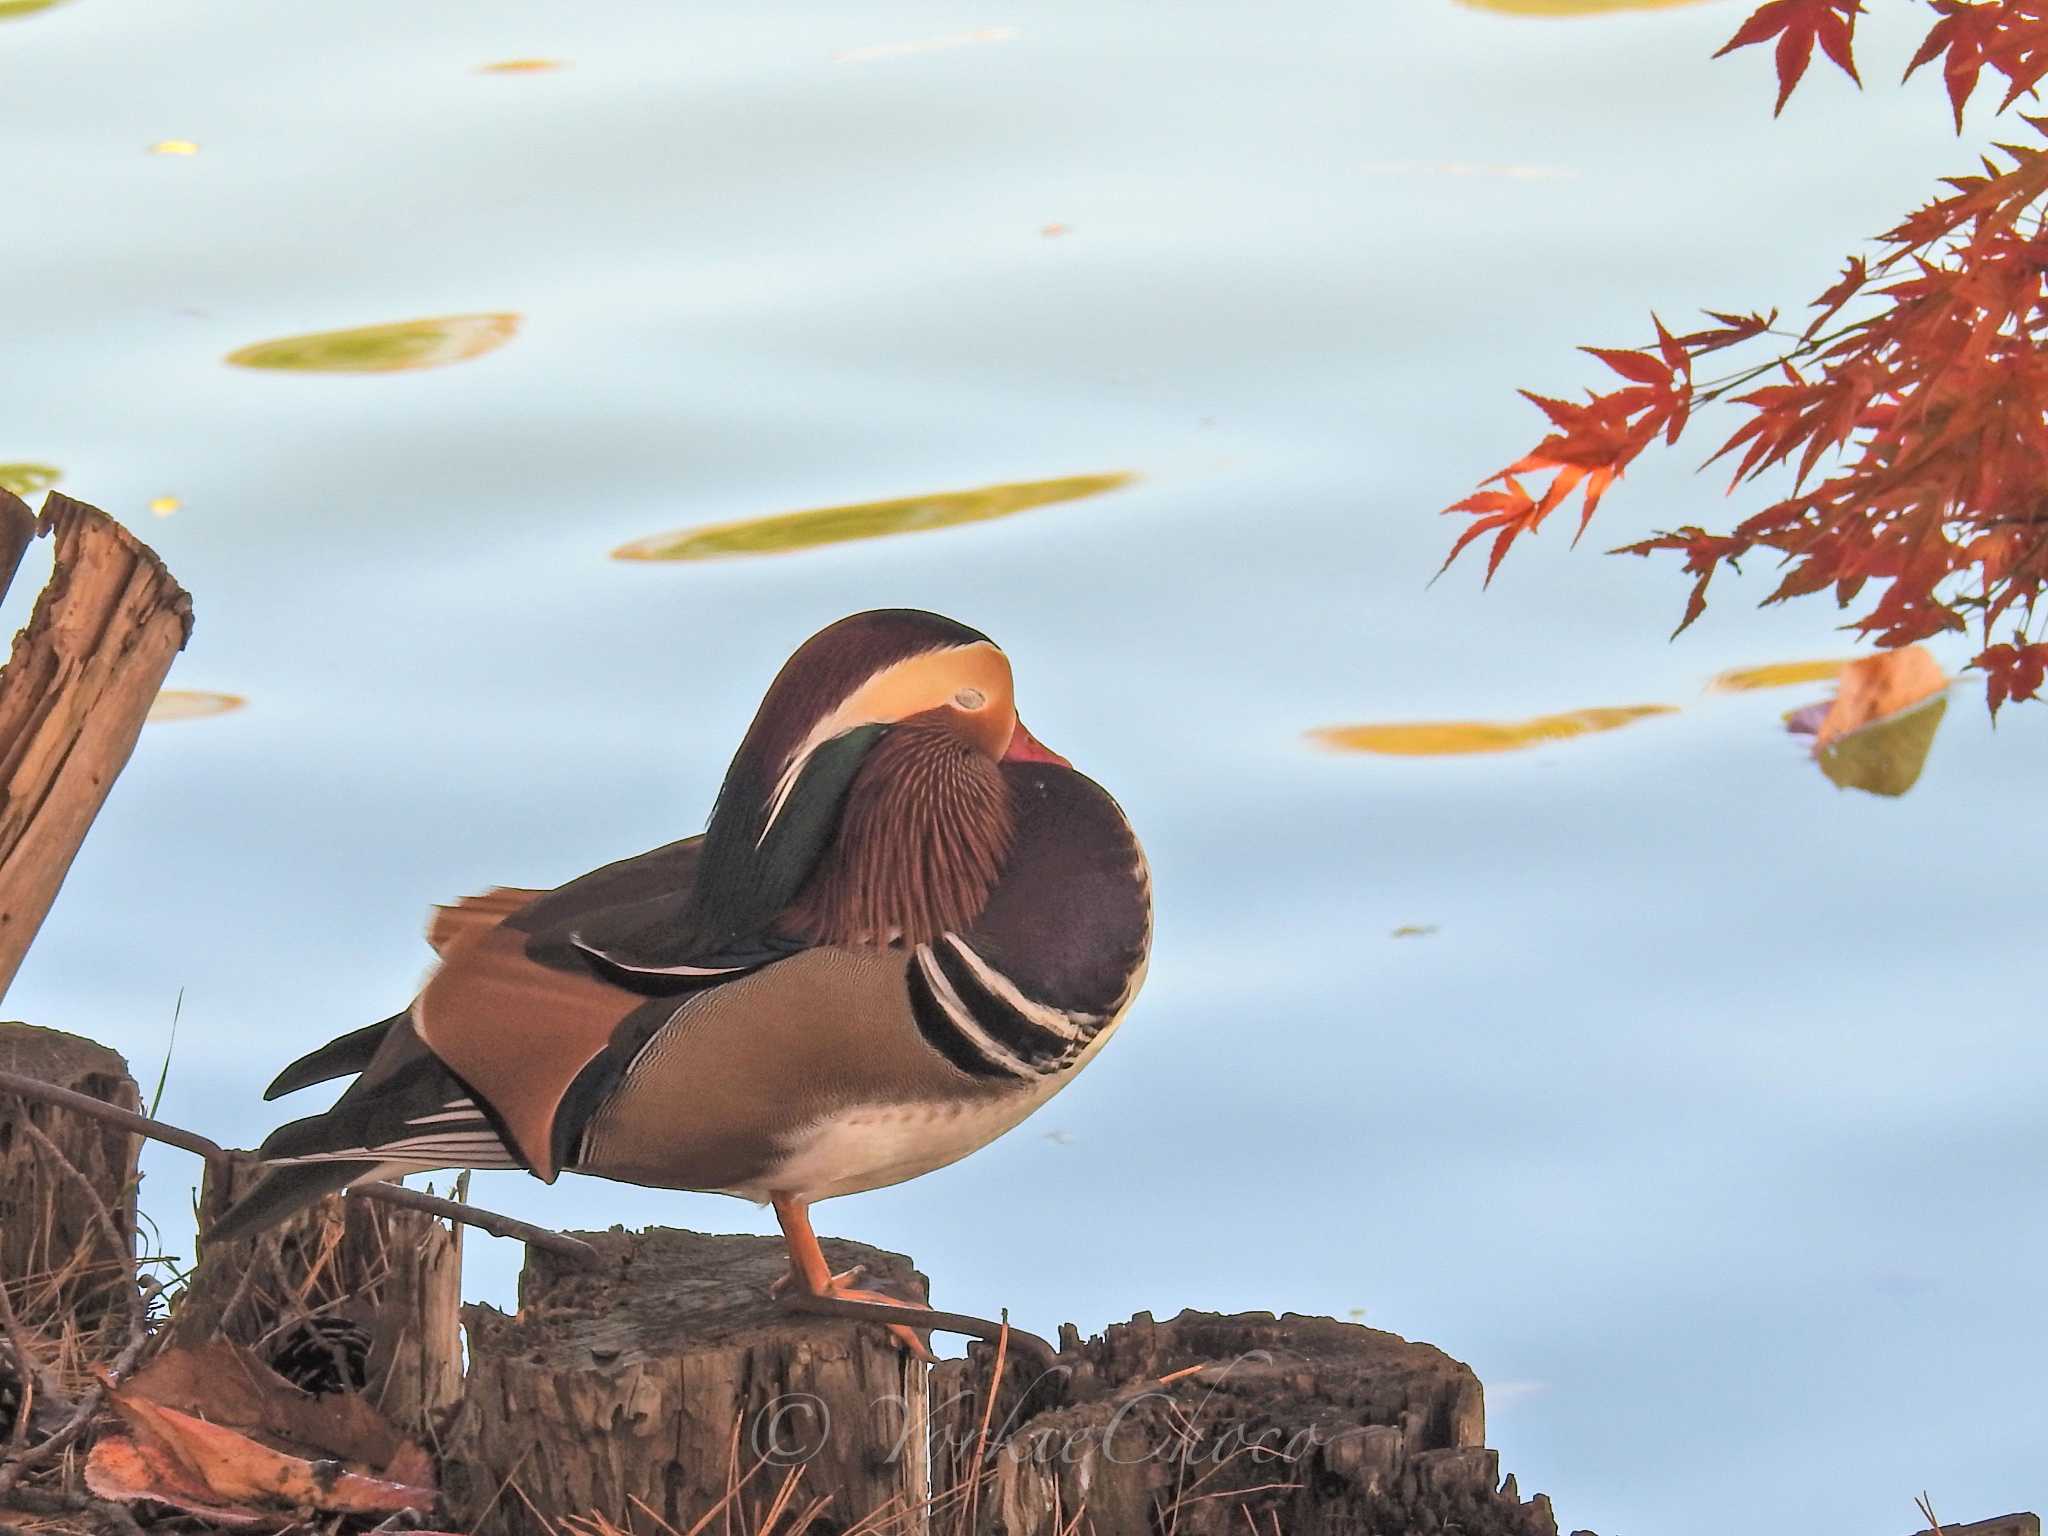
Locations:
(348, 1295)
(55, 1259)
(643, 1390)
(73, 697)
(17, 528)
(1302, 1425)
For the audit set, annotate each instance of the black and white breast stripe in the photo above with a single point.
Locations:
(978, 1019)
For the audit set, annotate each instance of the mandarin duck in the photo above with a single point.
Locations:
(906, 926)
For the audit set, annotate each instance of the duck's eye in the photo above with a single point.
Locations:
(970, 698)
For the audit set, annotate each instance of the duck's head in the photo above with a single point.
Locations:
(874, 760)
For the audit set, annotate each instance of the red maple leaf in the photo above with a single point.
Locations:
(2013, 671)
(1798, 25)
(1911, 433)
(2004, 34)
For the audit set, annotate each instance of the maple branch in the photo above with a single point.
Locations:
(1929, 410)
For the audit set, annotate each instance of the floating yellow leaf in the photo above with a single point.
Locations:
(1446, 738)
(390, 348)
(27, 479)
(164, 506)
(10, 9)
(521, 66)
(786, 531)
(189, 704)
(1777, 674)
(174, 147)
(1571, 7)
(1884, 758)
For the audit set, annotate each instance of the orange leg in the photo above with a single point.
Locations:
(809, 1270)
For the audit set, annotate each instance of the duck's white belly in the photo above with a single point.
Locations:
(871, 1146)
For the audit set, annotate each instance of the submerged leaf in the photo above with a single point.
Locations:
(190, 704)
(1447, 738)
(1885, 758)
(10, 9)
(27, 479)
(392, 348)
(785, 531)
(1776, 674)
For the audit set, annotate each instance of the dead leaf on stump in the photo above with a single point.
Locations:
(181, 1459)
(226, 1384)
(120, 1469)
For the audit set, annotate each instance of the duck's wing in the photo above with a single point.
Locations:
(405, 1112)
(473, 1073)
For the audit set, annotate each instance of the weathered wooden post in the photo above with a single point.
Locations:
(649, 1388)
(63, 1181)
(73, 697)
(349, 1294)
(1210, 1425)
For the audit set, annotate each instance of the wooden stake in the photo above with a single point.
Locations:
(17, 528)
(73, 698)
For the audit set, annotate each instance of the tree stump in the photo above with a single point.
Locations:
(1296, 1424)
(60, 1266)
(646, 1389)
(351, 1295)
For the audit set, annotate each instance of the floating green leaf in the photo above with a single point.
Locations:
(785, 531)
(27, 479)
(1449, 738)
(393, 348)
(190, 704)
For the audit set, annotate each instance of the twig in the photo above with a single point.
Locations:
(972, 1506)
(111, 1114)
(215, 1153)
(484, 1221)
(41, 1501)
(920, 1317)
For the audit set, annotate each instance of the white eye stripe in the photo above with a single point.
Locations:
(790, 774)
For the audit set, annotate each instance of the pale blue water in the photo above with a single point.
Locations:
(1707, 1126)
